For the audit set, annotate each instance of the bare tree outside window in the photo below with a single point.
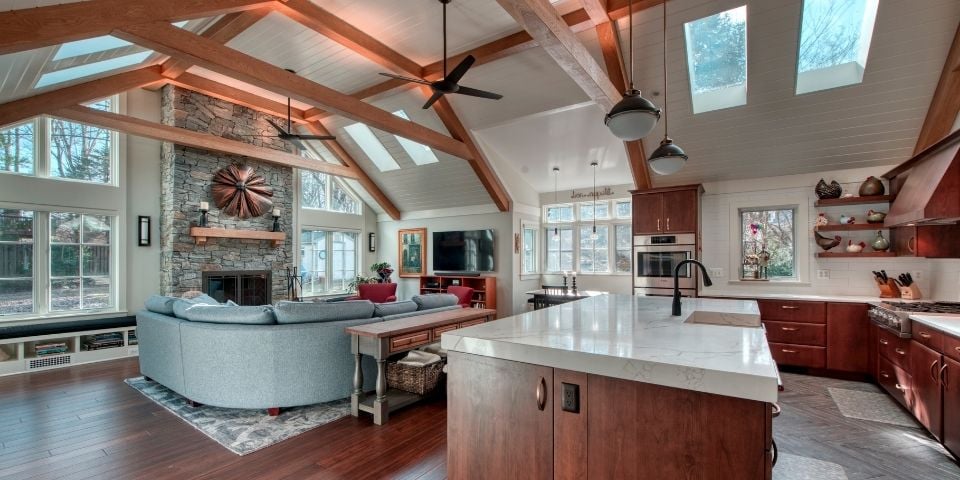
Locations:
(17, 149)
(831, 33)
(772, 231)
(81, 152)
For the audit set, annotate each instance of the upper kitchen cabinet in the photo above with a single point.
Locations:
(666, 210)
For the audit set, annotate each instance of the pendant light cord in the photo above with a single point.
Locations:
(666, 119)
(630, 34)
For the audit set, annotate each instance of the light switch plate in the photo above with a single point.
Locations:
(917, 275)
(716, 273)
(823, 274)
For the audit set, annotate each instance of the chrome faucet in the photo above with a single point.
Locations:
(676, 282)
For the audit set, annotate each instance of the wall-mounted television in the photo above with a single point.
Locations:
(464, 251)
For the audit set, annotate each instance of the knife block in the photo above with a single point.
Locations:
(910, 293)
(889, 289)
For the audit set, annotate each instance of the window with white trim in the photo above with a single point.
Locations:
(559, 249)
(329, 260)
(594, 252)
(16, 261)
(568, 241)
(528, 250)
(834, 43)
(623, 209)
(320, 191)
(623, 254)
(768, 247)
(717, 60)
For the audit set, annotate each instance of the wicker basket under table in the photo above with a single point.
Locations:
(413, 379)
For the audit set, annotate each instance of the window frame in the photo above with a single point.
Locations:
(825, 78)
(576, 224)
(802, 255)
(535, 246)
(328, 262)
(311, 153)
(548, 234)
(722, 98)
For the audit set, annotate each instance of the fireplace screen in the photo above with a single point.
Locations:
(243, 288)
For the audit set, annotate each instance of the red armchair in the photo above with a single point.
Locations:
(464, 295)
(376, 292)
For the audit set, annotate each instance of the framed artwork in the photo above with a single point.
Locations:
(413, 252)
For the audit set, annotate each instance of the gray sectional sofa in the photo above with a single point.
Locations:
(283, 355)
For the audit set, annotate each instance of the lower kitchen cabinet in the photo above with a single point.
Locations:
(927, 396)
(848, 337)
(951, 405)
(819, 335)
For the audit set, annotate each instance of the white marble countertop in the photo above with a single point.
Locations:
(636, 338)
(945, 323)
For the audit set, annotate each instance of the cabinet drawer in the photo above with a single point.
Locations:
(894, 349)
(895, 380)
(799, 355)
(927, 336)
(437, 331)
(409, 340)
(951, 347)
(791, 311)
(796, 333)
(475, 321)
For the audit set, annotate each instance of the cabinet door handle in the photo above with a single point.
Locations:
(668, 224)
(884, 374)
(933, 370)
(789, 307)
(884, 342)
(900, 351)
(900, 387)
(943, 376)
(542, 394)
(789, 329)
(924, 334)
(784, 350)
(658, 224)
(912, 245)
(957, 348)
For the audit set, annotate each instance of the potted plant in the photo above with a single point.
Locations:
(383, 270)
(360, 280)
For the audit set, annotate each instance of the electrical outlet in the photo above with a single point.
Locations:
(571, 398)
(823, 274)
(916, 275)
(716, 273)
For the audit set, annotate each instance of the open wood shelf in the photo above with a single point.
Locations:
(201, 234)
(854, 255)
(834, 202)
(850, 227)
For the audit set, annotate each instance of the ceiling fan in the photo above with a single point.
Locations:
(450, 82)
(288, 135)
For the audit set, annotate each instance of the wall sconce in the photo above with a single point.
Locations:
(143, 231)
(372, 242)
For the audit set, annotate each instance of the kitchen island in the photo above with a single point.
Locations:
(613, 387)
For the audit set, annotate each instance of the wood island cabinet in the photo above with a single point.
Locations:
(951, 404)
(666, 210)
(927, 396)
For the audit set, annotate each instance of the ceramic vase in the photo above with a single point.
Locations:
(880, 244)
(872, 187)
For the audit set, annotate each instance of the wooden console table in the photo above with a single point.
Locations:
(382, 339)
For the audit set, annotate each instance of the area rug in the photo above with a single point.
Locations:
(238, 430)
(796, 467)
(876, 407)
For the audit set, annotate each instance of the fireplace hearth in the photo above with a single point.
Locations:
(250, 287)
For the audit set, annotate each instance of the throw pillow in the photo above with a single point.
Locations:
(394, 308)
(309, 312)
(181, 305)
(233, 315)
(434, 300)
(160, 304)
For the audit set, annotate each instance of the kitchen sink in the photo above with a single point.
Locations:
(707, 317)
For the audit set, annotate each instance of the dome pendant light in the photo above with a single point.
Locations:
(633, 117)
(668, 158)
(556, 177)
(594, 236)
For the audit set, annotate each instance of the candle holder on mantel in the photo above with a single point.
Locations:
(204, 208)
(276, 220)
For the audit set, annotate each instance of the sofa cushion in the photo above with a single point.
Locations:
(237, 315)
(181, 305)
(394, 308)
(310, 312)
(434, 300)
(421, 312)
(160, 304)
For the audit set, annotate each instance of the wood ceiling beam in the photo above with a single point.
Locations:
(483, 169)
(945, 105)
(214, 89)
(204, 141)
(544, 24)
(29, 107)
(325, 23)
(617, 9)
(169, 40)
(224, 30)
(597, 9)
(31, 28)
(316, 128)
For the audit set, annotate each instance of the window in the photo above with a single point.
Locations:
(372, 147)
(17, 149)
(54, 148)
(328, 260)
(313, 189)
(16, 261)
(529, 250)
(717, 60)
(341, 201)
(624, 250)
(834, 42)
(560, 249)
(88, 46)
(79, 262)
(594, 254)
(587, 210)
(90, 69)
(419, 153)
(767, 236)
(559, 213)
(624, 209)
(322, 192)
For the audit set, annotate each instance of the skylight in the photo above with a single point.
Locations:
(834, 42)
(717, 59)
(80, 71)
(88, 46)
(421, 154)
(372, 147)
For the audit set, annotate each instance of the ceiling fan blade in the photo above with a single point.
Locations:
(473, 92)
(316, 137)
(274, 125)
(458, 72)
(406, 79)
(433, 99)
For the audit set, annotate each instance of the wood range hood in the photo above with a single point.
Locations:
(927, 186)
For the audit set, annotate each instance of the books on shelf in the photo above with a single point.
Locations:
(101, 341)
(52, 348)
(132, 338)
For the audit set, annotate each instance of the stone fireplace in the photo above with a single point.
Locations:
(186, 174)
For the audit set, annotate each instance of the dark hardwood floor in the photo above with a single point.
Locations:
(85, 423)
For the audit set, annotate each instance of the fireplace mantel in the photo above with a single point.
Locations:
(201, 234)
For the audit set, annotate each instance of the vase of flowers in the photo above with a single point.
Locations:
(383, 270)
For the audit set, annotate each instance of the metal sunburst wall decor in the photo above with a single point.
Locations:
(239, 191)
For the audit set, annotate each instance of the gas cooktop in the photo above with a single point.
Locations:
(924, 307)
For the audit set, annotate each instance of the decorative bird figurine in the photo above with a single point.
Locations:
(822, 220)
(826, 243)
(855, 247)
(845, 220)
(875, 217)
